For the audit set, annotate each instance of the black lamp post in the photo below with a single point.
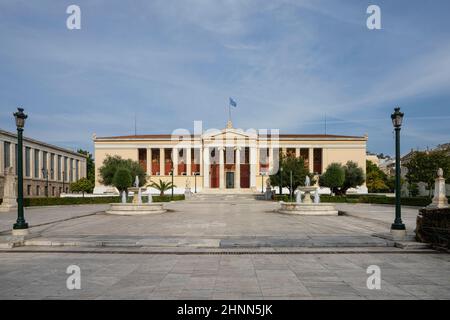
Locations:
(20, 224)
(195, 181)
(397, 118)
(171, 173)
(290, 191)
(281, 180)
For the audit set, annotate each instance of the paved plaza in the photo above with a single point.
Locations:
(218, 248)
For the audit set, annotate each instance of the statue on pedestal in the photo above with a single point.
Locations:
(9, 191)
(439, 199)
(187, 189)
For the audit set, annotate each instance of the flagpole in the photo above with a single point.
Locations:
(229, 112)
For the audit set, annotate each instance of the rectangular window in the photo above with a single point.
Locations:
(304, 154)
(27, 162)
(7, 154)
(71, 170)
(142, 154)
(65, 169)
(195, 161)
(155, 162)
(59, 168)
(52, 166)
(29, 190)
(38, 190)
(290, 152)
(77, 176)
(36, 163)
(318, 161)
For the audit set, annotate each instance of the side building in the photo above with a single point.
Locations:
(48, 170)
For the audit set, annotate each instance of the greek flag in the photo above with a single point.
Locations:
(233, 103)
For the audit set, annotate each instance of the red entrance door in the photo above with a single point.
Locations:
(214, 175)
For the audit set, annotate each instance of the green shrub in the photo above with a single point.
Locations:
(34, 202)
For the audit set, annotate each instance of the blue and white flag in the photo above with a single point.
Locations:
(233, 103)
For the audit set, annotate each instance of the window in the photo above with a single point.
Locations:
(65, 169)
(7, 154)
(53, 191)
(28, 162)
(318, 161)
(71, 170)
(142, 153)
(44, 162)
(29, 190)
(36, 163)
(52, 166)
(38, 190)
(59, 169)
(77, 163)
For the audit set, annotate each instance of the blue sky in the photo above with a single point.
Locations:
(288, 64)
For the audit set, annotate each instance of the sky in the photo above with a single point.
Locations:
(289, 65)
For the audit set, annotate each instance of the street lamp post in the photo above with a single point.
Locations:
(281, 180)
(195, 181)
(398, 229)
(290, 175)
(21, 226)
(171, 173)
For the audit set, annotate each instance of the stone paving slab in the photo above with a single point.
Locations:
(256, 276)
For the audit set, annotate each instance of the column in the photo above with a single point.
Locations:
(149, 161)
(188, 161)
(237, 177)
(252, 167)
(161, 161)
(31, 163)
(297, 152)
(221, 168)
(175, 161)
(271, 162)
(311, 159)
(206, 167)
(201, 161)
(2, 152)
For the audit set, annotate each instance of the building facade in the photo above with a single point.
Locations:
(226, 160)
(48, 170)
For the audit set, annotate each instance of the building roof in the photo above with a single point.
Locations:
(281, 136)
(45, 144)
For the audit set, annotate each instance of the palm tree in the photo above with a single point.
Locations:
(162, 186)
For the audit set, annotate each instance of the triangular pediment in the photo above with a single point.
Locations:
(229, 134)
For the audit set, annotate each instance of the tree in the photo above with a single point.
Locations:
(333, 177)
(376, 179)
(162, 186)
(423, 166)
(354, 176)
(90, 165)
(83, 185)
(112, 163)
(122, 179)
(288, 165)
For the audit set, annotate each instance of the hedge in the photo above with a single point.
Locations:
(433, 226)
(52, 201)
(374, 199)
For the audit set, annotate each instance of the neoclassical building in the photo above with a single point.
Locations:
(48, 170)
(228, 160)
